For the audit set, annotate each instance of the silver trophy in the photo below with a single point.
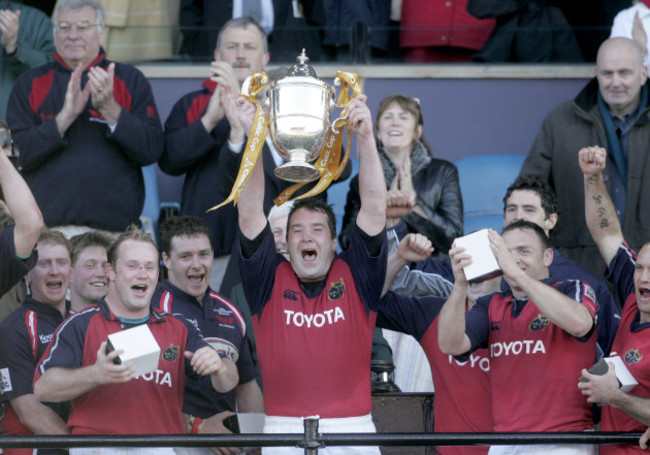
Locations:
(299, 119)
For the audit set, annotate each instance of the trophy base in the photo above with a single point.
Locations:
(299, 172)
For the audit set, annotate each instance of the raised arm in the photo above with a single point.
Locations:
(251, 200)
(21, 206)
(602, 221)
(372, 188)
(412, 248)
(451, 321)
(565, 312)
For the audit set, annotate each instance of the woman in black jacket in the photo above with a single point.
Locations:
(436, 208)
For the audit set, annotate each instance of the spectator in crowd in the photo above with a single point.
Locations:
(462, 402)
(22, 224)
(187, 254)
(406, 158)
(633, 23)
(26, 39)
(526, 31)
(441, 31)
(340, 19)
(546, 325)
(611, 110)
(328, 303)
(86, 123)
(290, 26)
(25, 334)
(630, 274)
(88, 281)
(105, 396)
(199, 129)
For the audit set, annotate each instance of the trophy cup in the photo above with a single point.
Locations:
(299, 120)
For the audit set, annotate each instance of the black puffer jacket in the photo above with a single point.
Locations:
(438, 194)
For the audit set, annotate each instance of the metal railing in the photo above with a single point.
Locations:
(311, 440)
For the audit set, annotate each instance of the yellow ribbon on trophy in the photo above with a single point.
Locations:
(256, 138)
(328, 160)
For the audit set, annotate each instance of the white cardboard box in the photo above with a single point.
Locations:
(625, 378)
(139, 346)
(484, 264)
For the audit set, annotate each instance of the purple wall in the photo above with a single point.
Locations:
(462, 117)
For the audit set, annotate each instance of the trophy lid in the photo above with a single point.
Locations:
(302, 68)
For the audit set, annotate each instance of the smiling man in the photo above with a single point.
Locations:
(540, 325)
(611, 111)
(106, 398)
(187, 254)
(88, 123)
(88, 283)
(24, 336)
(314, 315)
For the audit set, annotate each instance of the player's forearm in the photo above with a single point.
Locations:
(40, 419)
(226, 378)
(251, 203)
(636, 407)
(372, 188)
(249, 397)
(563, 311)
(63, 384)
(601, 217)
(451, 323)
(23, 208)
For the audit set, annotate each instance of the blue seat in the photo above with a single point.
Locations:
(484, 180)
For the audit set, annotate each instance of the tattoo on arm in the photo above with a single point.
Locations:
(604, 223)
(598, 199)
(591, 180)
(601, 211)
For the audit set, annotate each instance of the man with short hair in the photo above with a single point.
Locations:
(199, 129)
(88, 282)
(24, 336)
(105, 396)
(531, 199)
(540, 325)
(630, 274)
(187, 254)
(611, 111)
(311, 309)
(87, 123)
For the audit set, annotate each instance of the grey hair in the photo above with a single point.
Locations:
(243, 22)
(76, 4)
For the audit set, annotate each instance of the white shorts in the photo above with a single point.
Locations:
(545, 449)
(361, 424)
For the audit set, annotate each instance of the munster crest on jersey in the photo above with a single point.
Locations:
(539, 323)
(171, 353)
(633, 356)
(336, 290)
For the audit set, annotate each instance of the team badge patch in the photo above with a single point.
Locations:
(336, 290)
(539, 323)
(633, 356)
(171, 353)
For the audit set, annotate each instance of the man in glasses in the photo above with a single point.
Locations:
(87, 124)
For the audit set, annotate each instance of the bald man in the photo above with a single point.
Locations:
(611, 111)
